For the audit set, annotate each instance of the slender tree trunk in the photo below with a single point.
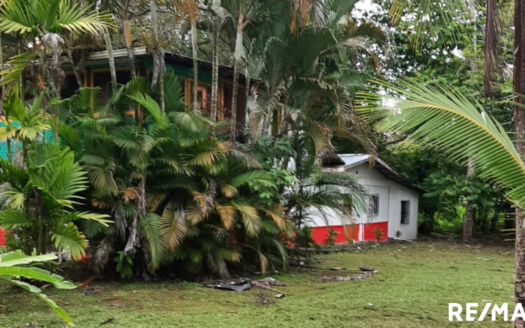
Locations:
(78, 75)
(161, 93)
(233, 126)
(142, 195)
(158, 56)
(194, 51)
(236, 66)
(57, 120)
(131, 56)
(129, 46)
(519, 124)
(215, 73)
(24, 152)
(133, 239)
(40, 220)
(468, 218)
(21, 78)
(44, 78)
(215, 69)
(247, 87)
(112, 70)
(9, 151)
(8, 141)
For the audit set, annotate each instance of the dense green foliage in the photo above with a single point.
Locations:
(142, 181)
(139, 183)
(138, 180)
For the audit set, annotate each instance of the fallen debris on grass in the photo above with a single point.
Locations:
(238, 285)
(105, 322)
(365, 268)
(367, 272)
(243, 284)
(337, 268)
(268, 282)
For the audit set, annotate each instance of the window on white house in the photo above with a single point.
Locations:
(373, 205)
(405, 212)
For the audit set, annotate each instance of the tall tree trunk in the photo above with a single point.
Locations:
(194, 51)
(24, 153)
(519, 125)
(233, 126)
(133, 240)
(215, 69)
(20, 79)
(161, 93)
(468, 218)
(76, 71)
(57, 120)
(8, 141)
(131, 55)
(239, 50)
(9, 151)
(111, 59)
(158, 57)
(40, 220)
(129, 45)
(247, 87)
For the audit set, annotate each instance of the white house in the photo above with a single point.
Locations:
(392, 208)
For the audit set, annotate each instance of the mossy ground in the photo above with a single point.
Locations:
(413, 288)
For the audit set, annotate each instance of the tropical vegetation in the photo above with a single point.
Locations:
(139, 180)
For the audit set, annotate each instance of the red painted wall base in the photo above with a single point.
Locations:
(3, 241)
(369, 228)
(320, 234)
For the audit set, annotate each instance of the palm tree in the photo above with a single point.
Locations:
(218, 14)
(190, 9)
(421, 14)
(159, 65)
(243, 13)
(305, 87)
(519, 126)
(314, 192)
(38, 201)
(444, 118)
(46, 22)
(492, 50)
(195, 183)
(23, 124)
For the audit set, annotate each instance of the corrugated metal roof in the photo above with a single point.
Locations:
(352, 160)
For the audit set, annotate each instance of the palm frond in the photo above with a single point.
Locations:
(258, 176)
(174, 226)
(151, 227)
(444, 118)
(73, 18)
(69, 239)
(250, 218)
(424, 13)
(227, 214)
(13, 219)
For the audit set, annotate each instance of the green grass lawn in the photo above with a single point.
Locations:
(413, 288)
